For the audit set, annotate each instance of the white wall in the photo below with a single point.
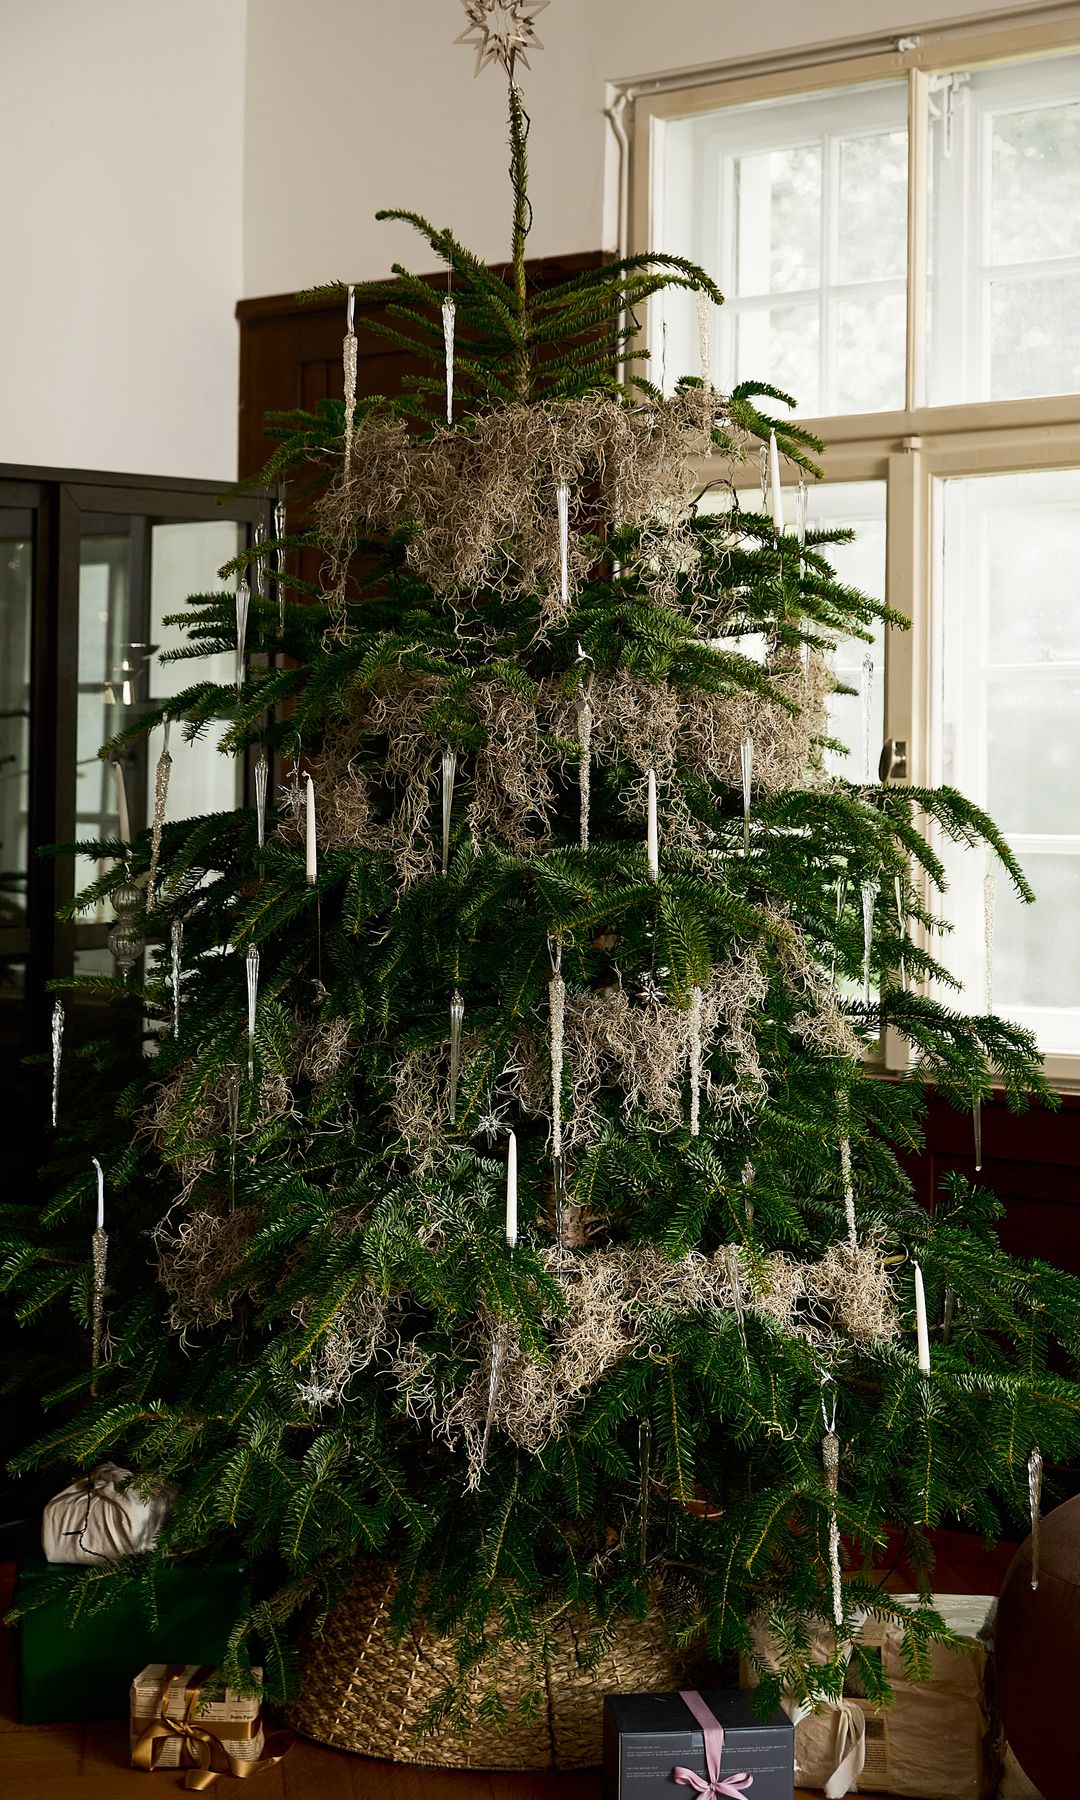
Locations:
(383, 110)
(121, 152)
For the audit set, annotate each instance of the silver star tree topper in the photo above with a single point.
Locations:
(502, 30)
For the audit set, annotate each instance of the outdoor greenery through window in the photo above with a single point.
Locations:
(898, 243)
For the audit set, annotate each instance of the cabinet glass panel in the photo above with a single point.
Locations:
(135, 574)
(16, 604)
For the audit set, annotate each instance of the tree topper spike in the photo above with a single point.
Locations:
(502, 30)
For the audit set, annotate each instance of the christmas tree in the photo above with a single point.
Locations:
(524, 1210)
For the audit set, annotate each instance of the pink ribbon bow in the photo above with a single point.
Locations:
(732, 1786)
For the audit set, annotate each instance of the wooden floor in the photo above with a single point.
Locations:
(90, 1762)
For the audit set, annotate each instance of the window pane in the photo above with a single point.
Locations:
(1005, 231)
(1034, 967)
(1033, 581)
(1031, 754)
(859, 505)
(868, 376)
(1034, 342)
(185, 558)
(778, 204)
(803, 196)
(784, 340)
(872, 219)
(1008, 628)
(1035, 156)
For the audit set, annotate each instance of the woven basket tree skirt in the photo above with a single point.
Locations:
(365, 1690)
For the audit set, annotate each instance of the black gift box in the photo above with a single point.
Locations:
(646, 1735)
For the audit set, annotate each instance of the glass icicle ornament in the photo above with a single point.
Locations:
(562, 502)
(695, 1061)
(124, 941)
(57, 1048)
(243, 608)
(830, 1456)
(989, 915)
(449, 314)
(258, 566)
(869, 901)
(449, 775)
(176, 945)
(867, 713)
(348, 363)
(262, 780)
(161, 795)
(498, 1357)
(746, 760)
(457, 1019)
(100, 1258)
(976, 1126)
(251, 969)
(1035, 1481)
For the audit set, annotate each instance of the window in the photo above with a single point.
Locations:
(898, 239)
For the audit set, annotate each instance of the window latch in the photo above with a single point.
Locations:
(892, 763)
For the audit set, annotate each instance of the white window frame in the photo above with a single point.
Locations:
(915, 449)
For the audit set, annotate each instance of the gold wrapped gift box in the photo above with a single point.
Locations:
(174, 1726)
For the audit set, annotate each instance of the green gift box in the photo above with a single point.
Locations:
(67, 1673)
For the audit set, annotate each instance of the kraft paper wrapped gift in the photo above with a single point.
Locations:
(657, 1746)
(937, 1740)
(174, 1727)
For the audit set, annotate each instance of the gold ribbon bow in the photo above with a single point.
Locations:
(202, 1741)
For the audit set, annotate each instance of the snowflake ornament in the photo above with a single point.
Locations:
(502, 30)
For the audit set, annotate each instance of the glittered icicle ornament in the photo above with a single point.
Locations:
(161, 795)
(449, 775)
(746, 760)
(457, 1019)
(585, 725)
(243, 608)
(57, 1047)
(869, 901)
(1035, 1481)
(562, 502)
(251, 969)
(262, 780)
(704, 325)
(100, 1259)
(449, 315)
(849, 1190)
(830, 1456)
(348, 363)
(557, 1029)
(177, 949)
(867, 713)
(695, 1062)
(279, 554)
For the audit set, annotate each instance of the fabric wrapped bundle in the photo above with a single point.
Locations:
(102, 1516)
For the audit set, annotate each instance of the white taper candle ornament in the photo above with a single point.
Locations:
(122, 813)
(652, 836)
(310, 845)
(562, 501)
(776, 493)
(100, 1194)
(512, 1192)
(922, 1329)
